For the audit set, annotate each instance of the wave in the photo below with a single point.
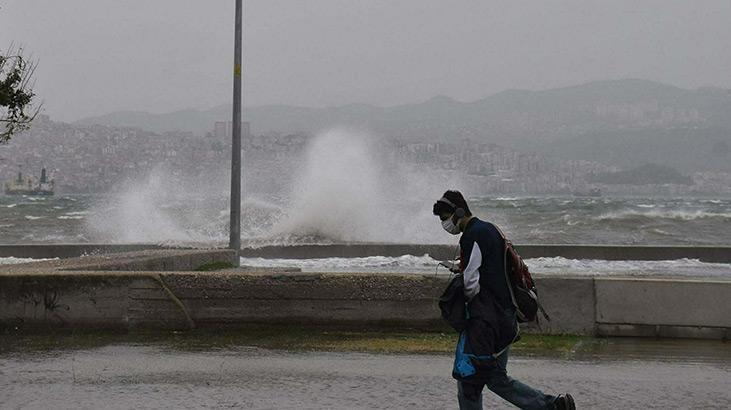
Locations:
(11, 260)
(684, 267)
(11, 205)
(53, 238)
(403, 263)
(33, 218)
(554, 266)
(680, 215)
(77, 213)
(508, 198)
(70, 217)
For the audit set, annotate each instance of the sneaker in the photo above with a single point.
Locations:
(565, 402)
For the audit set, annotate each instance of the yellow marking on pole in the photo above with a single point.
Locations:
(237, 70)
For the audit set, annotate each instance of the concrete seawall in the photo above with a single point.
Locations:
(160, 289)
(718, 254)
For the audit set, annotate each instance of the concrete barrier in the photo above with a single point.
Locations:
(718, 254)
(163, 290)
(569, 302)
(102, 291)
(652, 307)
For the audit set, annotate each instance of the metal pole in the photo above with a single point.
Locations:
(235, 219)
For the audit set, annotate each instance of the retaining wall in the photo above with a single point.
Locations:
(60, 294)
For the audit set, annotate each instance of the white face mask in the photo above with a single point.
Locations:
(449, 226)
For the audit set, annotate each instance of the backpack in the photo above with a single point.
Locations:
(452, 303)
(522, 287)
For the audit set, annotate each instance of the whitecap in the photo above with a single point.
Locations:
(681, 267)
(77, 213)
(507, 198)
(404, 263)
(10, 260)
(683, 215)
(33, 218)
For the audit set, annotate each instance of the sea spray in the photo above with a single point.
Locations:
(136, 214)
(166, 208)
(349, 191)
(162, 207)
(338, 196)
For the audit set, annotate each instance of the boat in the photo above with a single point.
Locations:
(27, 185)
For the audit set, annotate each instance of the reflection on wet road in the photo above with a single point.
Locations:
(141, 376)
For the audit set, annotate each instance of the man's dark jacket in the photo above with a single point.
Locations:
(492, 325)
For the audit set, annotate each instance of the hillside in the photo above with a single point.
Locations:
(619, 122)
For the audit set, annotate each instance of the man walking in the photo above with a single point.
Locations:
(482, 350)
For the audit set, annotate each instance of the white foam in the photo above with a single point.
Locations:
(405, 263)
(33, 218)
(77, 213)
(546, 266)
(136, 216)
(348, 192)
(593, 267)
(13, 260)
(683, 215)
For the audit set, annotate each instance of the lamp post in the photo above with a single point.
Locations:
(235, 219)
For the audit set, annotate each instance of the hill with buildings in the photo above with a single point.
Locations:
(619, 122)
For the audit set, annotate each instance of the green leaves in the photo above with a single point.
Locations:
(16, 95)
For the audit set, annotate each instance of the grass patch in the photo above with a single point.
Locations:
(212, 266)
(279, 337)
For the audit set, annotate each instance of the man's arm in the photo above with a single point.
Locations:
(471, 273)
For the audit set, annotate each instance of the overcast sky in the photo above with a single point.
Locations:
(98, 56)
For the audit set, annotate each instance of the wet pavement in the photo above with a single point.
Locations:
(621, 374)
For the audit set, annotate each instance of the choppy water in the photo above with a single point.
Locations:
(147, 217)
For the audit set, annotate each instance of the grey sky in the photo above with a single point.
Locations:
(106, 55)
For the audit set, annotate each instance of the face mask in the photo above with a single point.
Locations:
(449, 226)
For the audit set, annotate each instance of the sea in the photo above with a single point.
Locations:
(203, 221)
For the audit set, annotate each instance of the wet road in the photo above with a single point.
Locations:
(143, 376)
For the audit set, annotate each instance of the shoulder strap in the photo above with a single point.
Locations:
(506, 243)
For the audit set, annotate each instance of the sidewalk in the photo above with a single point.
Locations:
(159, 376)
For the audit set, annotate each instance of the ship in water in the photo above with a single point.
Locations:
(28, 185)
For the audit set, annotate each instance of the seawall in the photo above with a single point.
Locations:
(162, 289)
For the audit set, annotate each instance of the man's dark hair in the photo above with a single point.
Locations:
(456, 198)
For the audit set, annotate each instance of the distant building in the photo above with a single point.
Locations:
(222, 131)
